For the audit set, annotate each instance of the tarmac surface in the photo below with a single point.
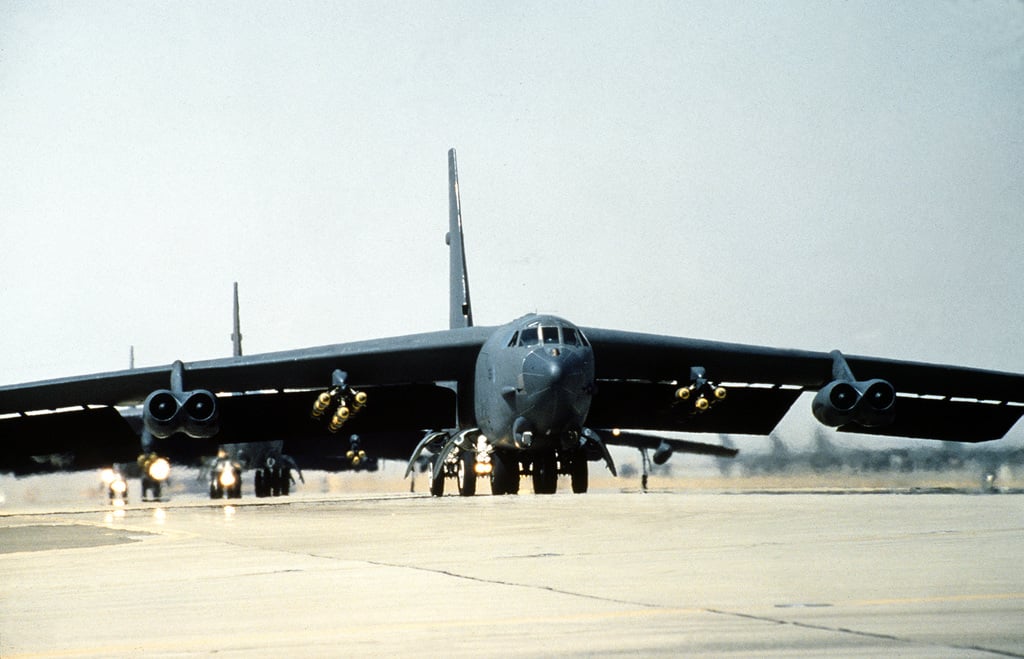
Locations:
(613, 573)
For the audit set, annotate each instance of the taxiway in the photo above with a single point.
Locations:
(600, 574)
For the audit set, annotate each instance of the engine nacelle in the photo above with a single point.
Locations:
(662, 454)
(877, 403)
(870, 403)
(194, 413)
(836, 404)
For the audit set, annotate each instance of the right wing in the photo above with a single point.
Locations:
(71, 423)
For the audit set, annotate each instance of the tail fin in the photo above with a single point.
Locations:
(236, 336)
(460, 310)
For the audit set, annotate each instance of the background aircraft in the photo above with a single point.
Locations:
(538, 396)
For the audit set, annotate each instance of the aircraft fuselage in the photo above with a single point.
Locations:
(534, 383)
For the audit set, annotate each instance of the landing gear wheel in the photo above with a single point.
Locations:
(504, 473)
(466, 474)
(579, 471)
(545, 473)
(260, 483)
(150, 489)
(275, 481)
(236, 490)
(437, 484)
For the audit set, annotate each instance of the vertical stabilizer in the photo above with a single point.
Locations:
(236, 336)
(461, 311)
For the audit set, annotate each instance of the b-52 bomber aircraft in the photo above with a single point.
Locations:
(538, 396)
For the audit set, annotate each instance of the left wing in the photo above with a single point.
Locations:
(638, 375)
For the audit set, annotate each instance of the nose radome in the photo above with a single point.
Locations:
(542, 370)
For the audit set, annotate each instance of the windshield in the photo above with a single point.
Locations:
(548, 335)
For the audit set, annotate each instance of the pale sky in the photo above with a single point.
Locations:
(810, 175)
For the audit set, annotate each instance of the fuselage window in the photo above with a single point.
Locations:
(550, 334)
(528, 337)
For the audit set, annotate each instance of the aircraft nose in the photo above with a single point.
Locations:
(556, 388)
(544, 369)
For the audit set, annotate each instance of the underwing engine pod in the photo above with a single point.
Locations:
(169, 411)
(194, 413)
(870, 403)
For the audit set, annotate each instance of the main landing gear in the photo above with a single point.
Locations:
(225, 480)
(506, 468)
(547, 465)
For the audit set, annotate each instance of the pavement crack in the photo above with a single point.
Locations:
(502, 582)
(859, 632)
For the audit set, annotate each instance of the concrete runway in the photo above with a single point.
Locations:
(599, 574)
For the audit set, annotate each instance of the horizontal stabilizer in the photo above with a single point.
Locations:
(652, 441)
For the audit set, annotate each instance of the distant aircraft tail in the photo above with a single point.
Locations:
(461, 311)
(236, 336)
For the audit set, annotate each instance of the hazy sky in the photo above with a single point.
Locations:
(808, 174)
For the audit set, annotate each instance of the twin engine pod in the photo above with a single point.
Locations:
(194, 413)
(869, 403)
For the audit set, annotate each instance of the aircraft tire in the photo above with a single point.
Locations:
(286, 477)
(275, 482)
(437, 484)
(580, 472)
(260, 483)
(545, 473)
(466, 474)
(504, 473)
(236, 490)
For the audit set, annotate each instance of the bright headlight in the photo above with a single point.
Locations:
(118, 486)
(107, 476)
(159, 469)
(227, 477)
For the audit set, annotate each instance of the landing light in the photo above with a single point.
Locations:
(482, 468)
(227, 477)
(118, 486)
(159, 469)
(107, 476)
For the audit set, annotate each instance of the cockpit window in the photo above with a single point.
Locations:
(528, 337)
(548, 335)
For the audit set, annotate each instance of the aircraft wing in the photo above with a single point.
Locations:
(70, 423)
(429, 357)
(638, 373)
